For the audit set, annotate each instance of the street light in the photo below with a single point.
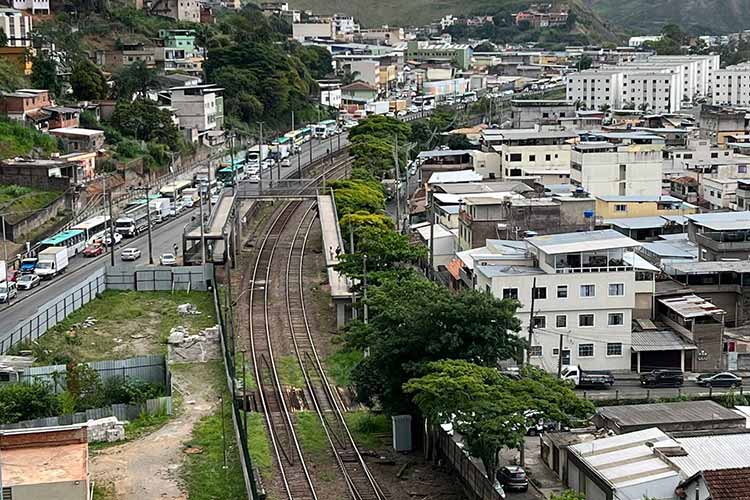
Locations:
(147, 189)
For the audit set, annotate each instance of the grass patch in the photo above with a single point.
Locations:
(104, 491)
(289, 371)
(311, 433)
(128, 324)
(18, 140)
(250, 384)
(204, 474)
(20, 202)
(258, 445)
(340, 365)
(371, 430)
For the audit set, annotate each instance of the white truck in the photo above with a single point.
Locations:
(160, 209)
(256, 154)
(377, 107)
(132, 221)
(52, 261)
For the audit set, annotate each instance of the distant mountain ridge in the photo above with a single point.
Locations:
(695, 16)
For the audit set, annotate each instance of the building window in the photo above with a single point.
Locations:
(532, 157)
(614, 349)
(540, 322)
(616, 289)
(515, 157)
(555, 351)
(615, 319)
(562, 291)
(540, 292)
(588, 290)
(621, 208)
(547, 157)
(585, 350)
(561, 321)
(535, 351)
(510, 293)
(586, 320)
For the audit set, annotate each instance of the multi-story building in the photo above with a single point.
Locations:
(532, 152)
(594, 89)
(181, 10)
(719, 194)
(312, 30)
(344, 24)
(584, 287)
(24, 104)
(17, 27)
(625, 164)
(718, 124)
(526, 113)
(385, 35)
(198, 107)
(35, 6)
(422, 51)
(732, 86)
(538, 18)
(76, 139)
(720, 235)
(621, 207)
(177, 52)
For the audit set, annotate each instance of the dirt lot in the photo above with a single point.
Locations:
(149, 467)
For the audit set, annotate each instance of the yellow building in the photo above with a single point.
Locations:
(18, 56)
(620, 207)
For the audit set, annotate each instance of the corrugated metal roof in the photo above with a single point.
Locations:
(660, 340)
(722, 221)
(582, 242)
(713, 452)
(691, 306)
(667, 413)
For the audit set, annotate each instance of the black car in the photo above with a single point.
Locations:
(663, 378)
(724, 379)
(512, 477)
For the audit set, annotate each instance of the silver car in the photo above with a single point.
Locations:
(130, 254)
(168, 259)
(27, 281)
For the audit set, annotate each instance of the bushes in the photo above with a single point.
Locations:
(17, 140)
(27, 401)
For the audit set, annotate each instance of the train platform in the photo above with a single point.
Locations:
(333, 243)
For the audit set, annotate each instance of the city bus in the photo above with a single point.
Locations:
(229, 174)
(73, 239)
(141, 201)
(174, 190)
(299, 136)
(424, 102)
(325, 129)
(94, 227)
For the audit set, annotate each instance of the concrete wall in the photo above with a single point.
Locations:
(32, 177)
(68, 490)
(147, 278)
(16, 231)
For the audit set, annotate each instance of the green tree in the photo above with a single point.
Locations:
(84, 385)
(568, 495)
(372, 153)
(414, 321)
(89, 120)
(143, 120)
(353, 195)
(318, 60)
(88, 82)
(44, 75)
(584, 62)
(383, 127)
(136, 79)
(3, 39)
(385, 250)
(485, 47)
(490, 410)
(22, 401)
(11, 76)
(356, 220)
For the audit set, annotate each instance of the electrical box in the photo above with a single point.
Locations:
(402, 441)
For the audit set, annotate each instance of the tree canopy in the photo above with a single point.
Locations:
(355, 195)
(44, 75)
(143, 120)
(11, 77)
(136, 79)
(414, 321)
(490, 410)
(88, 82)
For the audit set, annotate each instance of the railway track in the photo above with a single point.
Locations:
(280, 241)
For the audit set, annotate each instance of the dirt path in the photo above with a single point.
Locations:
(149, 466)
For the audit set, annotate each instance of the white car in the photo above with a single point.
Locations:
(214, 199)
(168, 259)
(268, 163)
(108, 238)
(413, 109)
(130, 254)
(27, 281)
(8, 291)
(286, 162)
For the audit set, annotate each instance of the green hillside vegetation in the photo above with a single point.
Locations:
(695, 16)
(17, 140)
(585, 25)
(20, 201)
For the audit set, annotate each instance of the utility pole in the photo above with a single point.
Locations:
(203, 237)
(432, 235)
(559, 357)
(364, 285)
(292, 120)
(148, 221)
(111, 232)
(260, 158)
(231, 158)
(311, 149)
(5, 242)
(531, 322)
(397, 184)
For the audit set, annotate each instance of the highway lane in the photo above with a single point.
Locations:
(164, 236)
(632, 389)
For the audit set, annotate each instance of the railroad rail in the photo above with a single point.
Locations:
(294, 472)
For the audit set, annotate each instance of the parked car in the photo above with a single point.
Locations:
(723, 379)
(662, 378)
(513, 477)
(93, 250)
(8, 290)
(130, 253)
(108, 239)
(28, 281)
(168, 259)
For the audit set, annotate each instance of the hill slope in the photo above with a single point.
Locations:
(695, 16)
(419, 12)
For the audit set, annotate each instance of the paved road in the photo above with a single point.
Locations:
(164, 237)
(631, 389)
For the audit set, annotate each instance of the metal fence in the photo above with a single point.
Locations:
(472, 477)
(55, 311)
(148, 279)
(152, 368)
(122, 411)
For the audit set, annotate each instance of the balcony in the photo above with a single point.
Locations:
(590, 262)
(724, 241)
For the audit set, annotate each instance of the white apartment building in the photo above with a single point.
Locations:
(344, 25)
(645, 82)
(720, 193)
(531, 152)
(620, 164)
(35, 6)
(198, 106)
(306, 31)
(732, 86)
(585, 292)
(17, 27)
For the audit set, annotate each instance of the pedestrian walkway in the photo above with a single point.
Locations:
(333, 244)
